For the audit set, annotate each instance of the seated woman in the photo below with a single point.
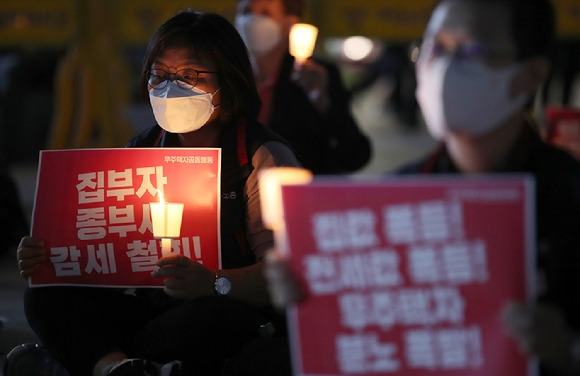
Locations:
(202, 317)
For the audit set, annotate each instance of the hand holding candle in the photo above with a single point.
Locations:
(311, 76)
(282, 285)
(166, 221)
(271, 181)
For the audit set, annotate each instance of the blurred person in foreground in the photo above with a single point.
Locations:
(563, 129)
(198, 78)
(306, 104)
(481, 64)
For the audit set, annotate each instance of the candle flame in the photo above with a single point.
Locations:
(160, 194)
(302, 41)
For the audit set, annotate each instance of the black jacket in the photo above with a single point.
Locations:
(236, 168)
(326, 144)
(557, 178)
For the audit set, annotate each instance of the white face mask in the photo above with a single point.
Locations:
(179, 110)
(260, 33)
(465, 97)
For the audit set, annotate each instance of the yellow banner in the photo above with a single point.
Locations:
(55, 22)
(24, 22)
(391, 20)
(568, 18)
(140, 19)
(406, 19)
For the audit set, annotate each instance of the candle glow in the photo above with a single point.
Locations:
(166, 222)
(302, 41)
(271, 181)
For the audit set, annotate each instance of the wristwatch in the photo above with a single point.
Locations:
(222, 284)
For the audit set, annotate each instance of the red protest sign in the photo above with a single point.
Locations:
(92, 210)
(563, 129)
(409, 276)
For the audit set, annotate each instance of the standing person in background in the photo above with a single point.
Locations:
(480, 66)
(306, 104)
(199, 81)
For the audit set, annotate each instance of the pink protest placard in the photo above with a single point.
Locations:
(409, 276)
(92, 210)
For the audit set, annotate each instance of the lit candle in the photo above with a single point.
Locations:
(166, 221)
(302, 41)
(271, 181)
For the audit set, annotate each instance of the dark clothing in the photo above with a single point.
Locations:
(328, 143)
(13, 222)
(80, 325)
(236, 168)
(557, 177)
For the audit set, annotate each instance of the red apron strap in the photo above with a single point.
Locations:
(242, 150)
(159, 137)
(431, 162)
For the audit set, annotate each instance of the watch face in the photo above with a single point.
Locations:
(223, 286)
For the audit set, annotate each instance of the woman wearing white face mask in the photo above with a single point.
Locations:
(481, 64)
(179, 106)
(199, 81)
(306, 104)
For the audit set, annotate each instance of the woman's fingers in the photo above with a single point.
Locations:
(29, 255)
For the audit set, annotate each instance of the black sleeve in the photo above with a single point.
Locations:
(327, 143)
(347, 144)
(147, 138)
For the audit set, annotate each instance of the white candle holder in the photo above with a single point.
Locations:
(302, 41)
(271, 181)
(166, 221)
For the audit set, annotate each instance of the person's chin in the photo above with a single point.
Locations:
(460, 133)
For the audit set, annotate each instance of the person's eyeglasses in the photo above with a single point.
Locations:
(184, 78)
(467, 52)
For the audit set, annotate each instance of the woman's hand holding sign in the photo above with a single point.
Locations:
(541, 330)
(30, 254)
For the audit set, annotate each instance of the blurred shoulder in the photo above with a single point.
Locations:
(274, 154)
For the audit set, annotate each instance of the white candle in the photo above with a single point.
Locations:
(166, 220)
(165, 246)
(271, 181)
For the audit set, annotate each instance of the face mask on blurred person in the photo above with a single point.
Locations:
(179, 110)
(260, 33)
(465, 97)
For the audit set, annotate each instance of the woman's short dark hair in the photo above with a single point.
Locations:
(533, 26)
(215, 38)
(294, 7)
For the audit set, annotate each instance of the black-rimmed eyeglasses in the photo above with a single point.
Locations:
(185, 78)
